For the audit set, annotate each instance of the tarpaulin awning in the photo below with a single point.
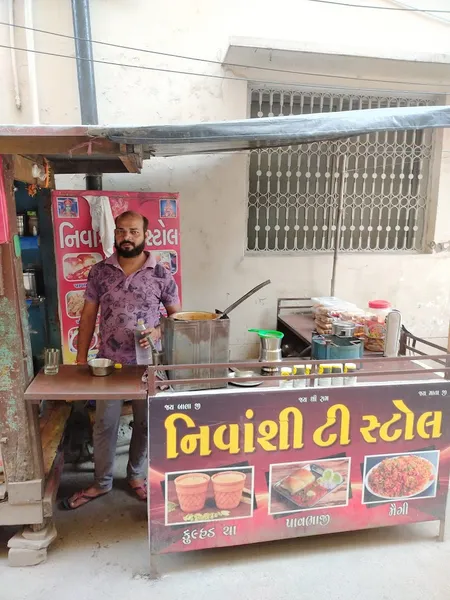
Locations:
(85, 148)
(172, 140)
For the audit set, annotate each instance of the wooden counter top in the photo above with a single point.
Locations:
(76, 383)
(301, 324)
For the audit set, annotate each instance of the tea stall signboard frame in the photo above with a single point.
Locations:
(254, 466)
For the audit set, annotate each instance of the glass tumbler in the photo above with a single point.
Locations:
(51, 364)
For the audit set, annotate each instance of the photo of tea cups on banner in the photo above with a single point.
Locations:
(209, 495)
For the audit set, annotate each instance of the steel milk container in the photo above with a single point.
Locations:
(196, 338)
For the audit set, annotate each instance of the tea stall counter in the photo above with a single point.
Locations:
(300, 462)
(73, 383)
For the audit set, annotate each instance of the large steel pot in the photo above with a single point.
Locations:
(196, 338)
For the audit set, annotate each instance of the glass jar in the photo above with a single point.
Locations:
(375, 327)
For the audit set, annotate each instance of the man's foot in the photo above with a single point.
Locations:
(139, 488)
(81, 498)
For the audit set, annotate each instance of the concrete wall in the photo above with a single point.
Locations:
(213, 189)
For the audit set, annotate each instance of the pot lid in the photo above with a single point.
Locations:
(268, 333)
(380, 304)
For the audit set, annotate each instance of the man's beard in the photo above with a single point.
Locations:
(129, 253)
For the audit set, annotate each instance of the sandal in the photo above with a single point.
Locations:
(139, 490)
(66, 503)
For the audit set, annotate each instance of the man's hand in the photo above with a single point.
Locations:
(86, 330)
(154, 333)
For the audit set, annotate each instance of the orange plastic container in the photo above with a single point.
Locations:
(228, 487)
(191, 491)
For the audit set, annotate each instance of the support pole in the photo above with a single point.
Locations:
(337, 237)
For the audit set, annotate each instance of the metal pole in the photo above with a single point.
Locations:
(87, 94)
(94, 182)
(337, 236)
(85, 68)
(86, 76)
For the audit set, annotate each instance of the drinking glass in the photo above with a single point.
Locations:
(51, 365)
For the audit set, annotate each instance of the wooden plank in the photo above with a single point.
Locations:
(24, 492)
(90, 165)
(52, 433)
(70, 145)
(35, 440)
(21, 514)
(132, 160)
(52, 484)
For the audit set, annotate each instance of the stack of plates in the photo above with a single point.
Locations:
(252, 377)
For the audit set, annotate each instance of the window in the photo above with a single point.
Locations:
(294, 192)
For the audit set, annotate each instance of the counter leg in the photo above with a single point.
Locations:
(441, 536)
(153, 569)
(29, 546)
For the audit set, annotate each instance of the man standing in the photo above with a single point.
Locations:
(128, 286)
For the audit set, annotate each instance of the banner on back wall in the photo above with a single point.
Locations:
(243, 467)
(78, 247)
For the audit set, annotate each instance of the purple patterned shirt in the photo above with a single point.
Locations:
(123, 300)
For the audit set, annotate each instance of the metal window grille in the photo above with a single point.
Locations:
(294, 191)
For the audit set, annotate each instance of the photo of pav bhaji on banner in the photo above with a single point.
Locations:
(308, 485)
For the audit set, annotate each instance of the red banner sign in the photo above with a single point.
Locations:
(236, 468)
(78, 247)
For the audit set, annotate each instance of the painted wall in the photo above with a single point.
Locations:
(213, 188)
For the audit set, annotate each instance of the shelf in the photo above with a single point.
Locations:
(35, 301)
(29, 243)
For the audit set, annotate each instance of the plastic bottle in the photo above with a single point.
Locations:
(324, 381)
(143, 355)
(336, 381)
(286, 382)
(299, 370)
(350, 370)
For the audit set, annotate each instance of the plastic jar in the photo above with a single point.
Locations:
(337, 369)
(350, 370)
(324, 381)
(299, 370)
(375, 328)
(286, 381)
